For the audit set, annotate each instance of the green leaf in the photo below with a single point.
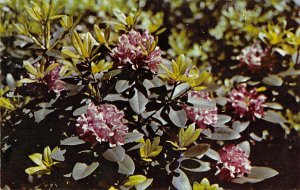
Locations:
(180, 89)
(135, 180)
(245, 145)
(72, 141)
(178, 118)
(224, 133)
(26, 80)
(116, 154)
(70, 54)
(273, 80)
(182, 181)
(222, 119)
(99, 35)
(274, 117)
(203, 166)
(28, 66)
(274, 105)
(122, 85)
(133, 136)
(37, 158)
(50, 68)
(33, 13)
(37, 169)
(120, 16)
(196, 150)
(257, 174)
(138, 102)
(80, 110)
(201, 102)
(42, 113)
(58, 154)
(78, 45)
(144, 185)
(212, 154)
(66, 22)
(81, 170)
(126, 166)
(240, 126)
(47, 156)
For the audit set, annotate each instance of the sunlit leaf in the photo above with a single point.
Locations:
(257, 174)
(138, 102)
(72, 141)
(196, 150)
(82, 170)
(135, 180)
(179, 117)
(273, 80)
(116, 154)
(224, 133)
(182, 181)
(126, 166)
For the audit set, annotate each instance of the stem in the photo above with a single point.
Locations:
(97, 89)
(172, 93)
(297, 57)
(35, 41)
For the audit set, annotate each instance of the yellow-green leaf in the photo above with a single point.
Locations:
(28, 66)
(47, 156)
(37, 158)
(134, 180)
(37, 169)
(50, 68)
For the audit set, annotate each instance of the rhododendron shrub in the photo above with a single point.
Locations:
(117, 97)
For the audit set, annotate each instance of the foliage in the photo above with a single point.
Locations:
(130, 100)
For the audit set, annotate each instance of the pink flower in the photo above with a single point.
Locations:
(52, 79)
(233, 163)
(138, 50)
(102, 123)
(201, 116)
(246, 103)
(252, 56)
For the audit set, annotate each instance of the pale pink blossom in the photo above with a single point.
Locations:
(137, 49)
(54, 82)
(103, 123)
(253, 57)
(233, 163)
(52, 79)
(246, 103)
(201, 116)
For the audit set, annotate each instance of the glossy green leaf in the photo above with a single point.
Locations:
(196, 150)
(82, 170)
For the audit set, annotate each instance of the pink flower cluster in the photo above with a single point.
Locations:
(136, 49)
(53, 81)
(247, 103)
(252, 56)
(102, 123)
(233, 163)
(201, 116)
